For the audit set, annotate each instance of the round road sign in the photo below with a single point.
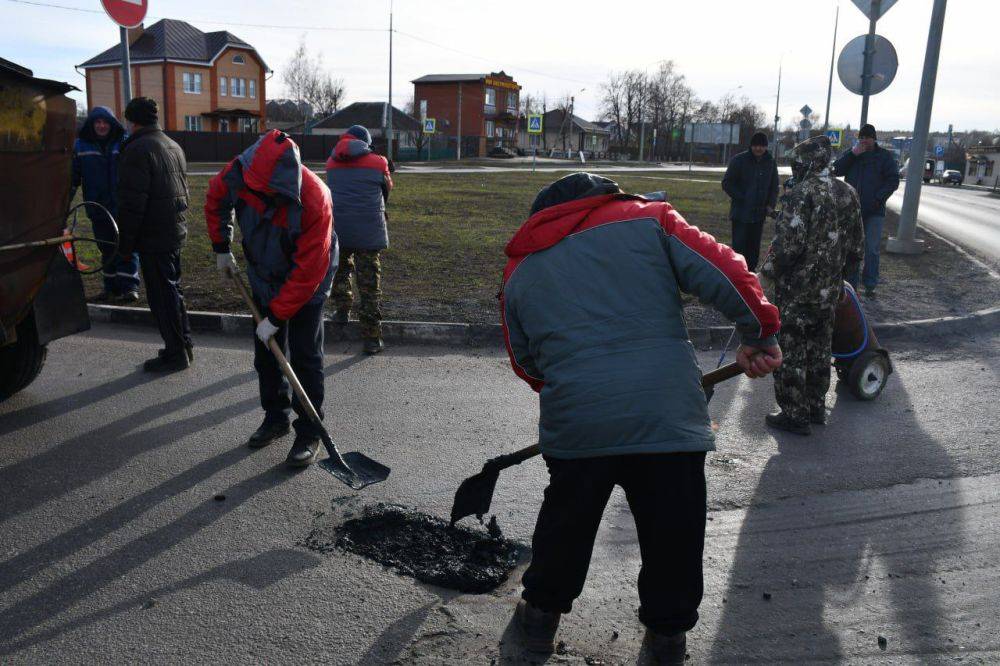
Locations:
(851, 64)
(126, 13)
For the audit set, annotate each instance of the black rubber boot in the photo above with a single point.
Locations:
(817, 416)
(189, 351)
(164, 363)
(781, 421)
(267, 433)
(538, 627)
(668, 648)
(374, 345)
(303, 452)
(342, 315)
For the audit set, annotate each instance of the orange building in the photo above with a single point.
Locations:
(202, 81)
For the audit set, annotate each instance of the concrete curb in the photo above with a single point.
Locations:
(485, 335)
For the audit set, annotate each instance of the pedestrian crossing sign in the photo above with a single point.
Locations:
(534, 124)
(430, 125)
(835, 136)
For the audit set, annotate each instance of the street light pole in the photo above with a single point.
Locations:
(905, 242)
(866, 79)
(777, 104)
(833, 55)
(388, 112)
(126, 69)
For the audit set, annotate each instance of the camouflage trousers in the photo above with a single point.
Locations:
(367, 269)
(801, 383)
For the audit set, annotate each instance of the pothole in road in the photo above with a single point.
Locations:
(424, 547)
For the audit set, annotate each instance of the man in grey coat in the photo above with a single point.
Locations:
(751, 181)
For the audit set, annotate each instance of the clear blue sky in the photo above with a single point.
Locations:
(569, 48)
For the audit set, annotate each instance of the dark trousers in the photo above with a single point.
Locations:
(746, 241)
(301, 339)
(161, 272)
(667, 496)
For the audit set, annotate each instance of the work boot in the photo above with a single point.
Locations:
(374, 345)
(127, 298)
(267, 433)
(303, 452)
(817, 416)
(341, 315)
(781, 421)
(188, 350)
(538, 627)
(668, 648)
(167, 363)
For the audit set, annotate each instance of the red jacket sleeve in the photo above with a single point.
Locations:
(219, 211)
(312, 249)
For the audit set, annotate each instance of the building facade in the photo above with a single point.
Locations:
(981, 163)
(566, 135)
(202, 82)
(481, 108)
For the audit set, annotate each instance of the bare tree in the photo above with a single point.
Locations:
(417, 137)
(307, 82)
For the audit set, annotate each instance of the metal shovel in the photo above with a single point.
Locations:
(353, 468)
(475, 494)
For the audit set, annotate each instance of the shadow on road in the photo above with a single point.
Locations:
(820, 576)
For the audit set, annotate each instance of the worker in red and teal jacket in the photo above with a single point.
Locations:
(285, 217)
(592, 314)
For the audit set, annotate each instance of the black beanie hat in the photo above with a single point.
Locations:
(142, 111)
(572, 187)
(759, 139)
(867, 130)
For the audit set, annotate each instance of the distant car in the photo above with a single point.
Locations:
(952, 177)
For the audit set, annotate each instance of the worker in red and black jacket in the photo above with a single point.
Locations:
(285, 217)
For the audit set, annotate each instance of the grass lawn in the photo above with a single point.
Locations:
(447, 233)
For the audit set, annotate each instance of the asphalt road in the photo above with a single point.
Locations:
(967, 216)
(113, 548)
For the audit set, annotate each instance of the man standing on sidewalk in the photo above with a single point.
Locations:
(818, 242)
(152, 199)
(751, 181)
(592, 315)
(95, 167)
(872, 171)
(360, 183)
(285, 217)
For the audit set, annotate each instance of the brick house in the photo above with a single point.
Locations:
(202, 81)
(488, 103)
(566, 133)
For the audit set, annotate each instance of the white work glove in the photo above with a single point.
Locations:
(265, 329)
(225, 262)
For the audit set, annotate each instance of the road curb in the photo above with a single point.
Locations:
(485, 335)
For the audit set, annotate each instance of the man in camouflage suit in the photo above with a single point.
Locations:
(818, 241)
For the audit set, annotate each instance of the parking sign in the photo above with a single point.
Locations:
(534, 124)
(939, 151)
(836, 136)
(430, 125)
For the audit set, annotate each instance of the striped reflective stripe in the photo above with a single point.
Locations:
(88, 153)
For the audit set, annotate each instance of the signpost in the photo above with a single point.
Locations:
(939, 151)
(534, 127)
(127, 14)
(874, 10)
(836, 137)
(430, 127)
(852, 63)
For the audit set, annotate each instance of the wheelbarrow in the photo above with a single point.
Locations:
(858, 359)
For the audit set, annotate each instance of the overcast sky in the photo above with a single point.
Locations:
(570, 47)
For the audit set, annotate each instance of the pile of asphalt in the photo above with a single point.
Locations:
(424, 547)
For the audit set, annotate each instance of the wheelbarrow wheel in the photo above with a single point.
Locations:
(108, 248)
(868, 375)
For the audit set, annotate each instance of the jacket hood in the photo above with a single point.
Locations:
(811, 157)
(273, 166)
(550, 225)
(87, 132)
(350, 148)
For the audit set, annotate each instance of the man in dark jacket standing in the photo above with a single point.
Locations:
(95, 166)
(751, 181)
(285, 217)
(592, 315)
(152, 199)
(872, 171)
(360, 183)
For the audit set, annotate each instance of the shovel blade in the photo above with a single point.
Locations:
(360, 472)
(475, 494)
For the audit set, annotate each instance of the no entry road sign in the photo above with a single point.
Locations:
(126, 13)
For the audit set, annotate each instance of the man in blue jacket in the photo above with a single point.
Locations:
(592, 314)
(873, 172)
(95, 166)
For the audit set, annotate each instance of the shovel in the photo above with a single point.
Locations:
(475, 494)
(353, 468)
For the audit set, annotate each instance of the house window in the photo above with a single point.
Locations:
(192, 123)
(239, 60)
(223, 86)
(253, 89)
(512, 102)
(238, 87)
(491, 100)
(223, 124)
(989, 169)
(248, 124)
(192, 83)
(490, 128)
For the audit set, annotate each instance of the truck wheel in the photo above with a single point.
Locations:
(868, 375)
(21, 362)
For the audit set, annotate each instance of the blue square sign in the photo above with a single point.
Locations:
(430, 125)
(836, 136)
(534, 124)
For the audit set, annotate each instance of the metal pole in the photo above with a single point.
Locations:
(777, 103)
(866, 79)
(126, 69)
(458, 149)
(388, 112)
(833, 56)
(904, 242)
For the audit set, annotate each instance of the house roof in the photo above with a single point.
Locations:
(554, 120)
(25, 75)
(371, 115)
(168, 39)
(449, 78)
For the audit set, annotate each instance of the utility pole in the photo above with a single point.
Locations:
(126, 70)
(833, 56)
(388, 112)
(866, 78)
(905, 242)
(777, 104)
(458, 148)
